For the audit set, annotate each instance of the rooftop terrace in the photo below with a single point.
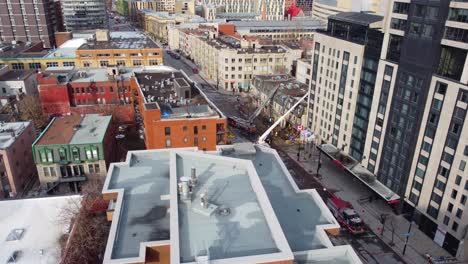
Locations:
(171, 91)
(254, 211)
(75, 129)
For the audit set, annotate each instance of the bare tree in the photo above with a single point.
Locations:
(88, 236)
(30, 108)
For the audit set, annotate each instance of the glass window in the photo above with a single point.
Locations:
(441, 88)
(195, 130)
(167, 131)
(446, 220)
(426, 146)
(458, 180)
(195, 142)
(450, 207)
(46, 171)
(203, 127)
(459, 213)
(462, 165)
(76, 154)
(463, 199)
(458, 14)
(455, 226)
(62, 154)
(168, 143)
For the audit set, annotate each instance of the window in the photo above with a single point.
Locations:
(62, 154)
(46, 171)
(399, 24)
(137, 63)
(456, 34)
(76, 154)
(52, 172)
(52, 64)
(400, 8)
(463, 199)
(458, 180)
(103, 63)
(450, 207)
(68, 63)
(185, 139)
(195, 130)
(120, 63)
(185, 128)
(203, 127)
(447, 157)
(167, 131)
(451, 62)
(455, 226)
(432, 211)
(446, 220)
(462, 165)
(153, 62)
(440, 185)
(426, 146)
(17, 66)
(441, 88)
(34, 66)
(91, 153)
(465, 151)
(454, 194)
(459, 213)
(436, 198)
(195, 142)
(91, 168)
(204, 139)
(458, 14)
(97, 168)
(168, 143)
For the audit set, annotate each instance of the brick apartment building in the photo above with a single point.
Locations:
(28, 21)
(73, 148)
(174, 113)
(67, 90)
(16, 162)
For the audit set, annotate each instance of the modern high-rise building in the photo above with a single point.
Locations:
(322, 9)
(395, 99)
(27, 21)
(267, 10)
(84, 14)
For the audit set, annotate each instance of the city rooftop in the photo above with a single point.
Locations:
(75, 75)
(10, 131)
(170, 91)
(122, 40)
(32, 228)
(75, 129)
(253, 211)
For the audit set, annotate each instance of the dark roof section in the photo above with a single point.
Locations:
(60, 131)
(16, 75)
(360, 18)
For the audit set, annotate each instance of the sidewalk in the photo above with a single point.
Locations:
(350, 189)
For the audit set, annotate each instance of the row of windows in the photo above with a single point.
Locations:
(119, 55)
(255, 60)
(87, 90)
(167, 130)
(195, 141)
(37, 65)
(69, 171)
(47, 155)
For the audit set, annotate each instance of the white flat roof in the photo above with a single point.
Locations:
(38, 218)
(10, 131)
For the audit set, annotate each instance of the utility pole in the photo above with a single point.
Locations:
(319, 163)
(407, 236)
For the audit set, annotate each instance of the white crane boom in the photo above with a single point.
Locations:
(261, 139)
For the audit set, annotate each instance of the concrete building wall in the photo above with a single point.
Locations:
(84, 14)
(330, 110)
(16, 87)
(438, 181)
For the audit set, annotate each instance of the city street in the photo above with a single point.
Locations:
(369, 247)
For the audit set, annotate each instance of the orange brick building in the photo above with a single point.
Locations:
(174, 114)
